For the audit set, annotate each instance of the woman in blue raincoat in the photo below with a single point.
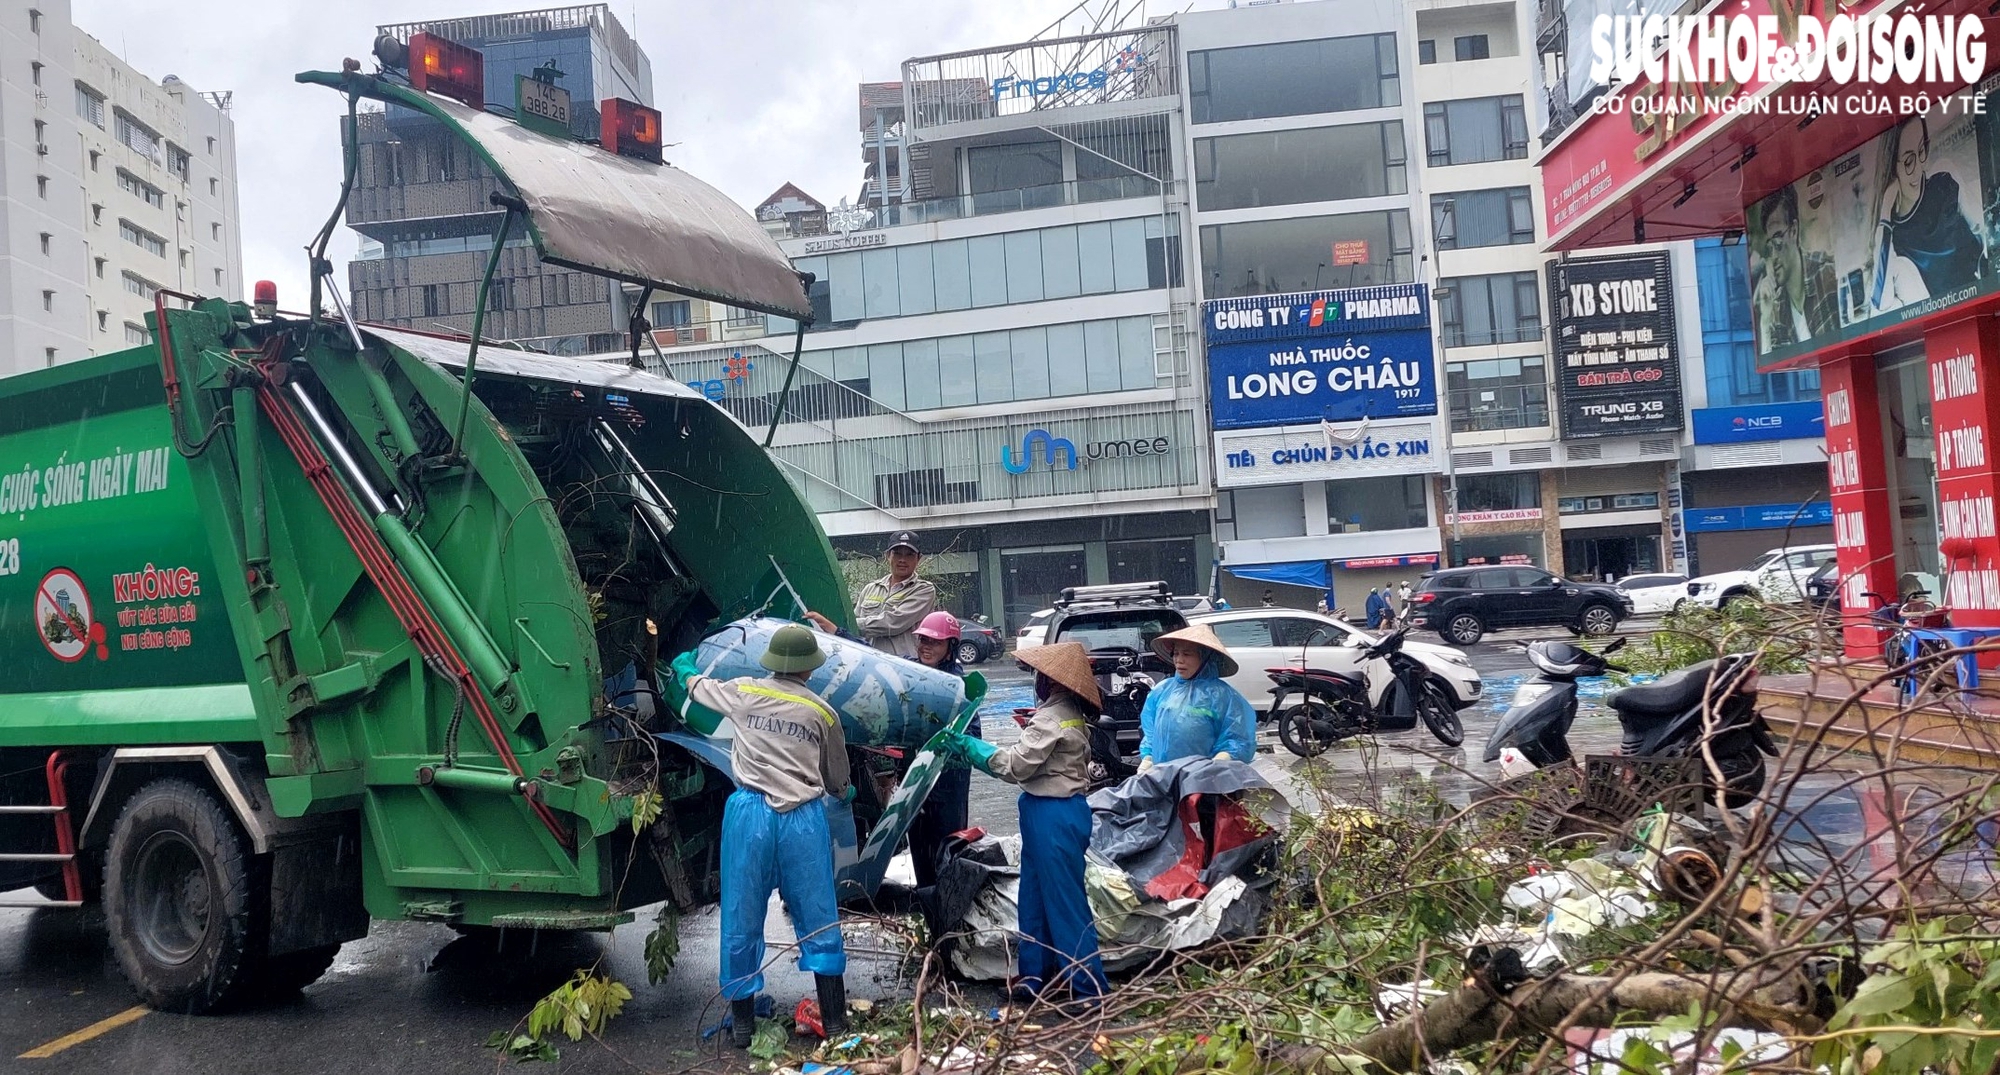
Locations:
(1196, 714)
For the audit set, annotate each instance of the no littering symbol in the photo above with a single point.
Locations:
(63, 620)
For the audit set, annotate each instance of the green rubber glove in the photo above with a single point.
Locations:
(699, 717)
(977, 751)
(846, 794)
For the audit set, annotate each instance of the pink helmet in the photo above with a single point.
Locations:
(940, 625)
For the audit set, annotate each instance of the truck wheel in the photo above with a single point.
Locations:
(180, 899)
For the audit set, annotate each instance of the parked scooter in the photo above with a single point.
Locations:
(1668, 718)
(1333, 705)
(1537, 723)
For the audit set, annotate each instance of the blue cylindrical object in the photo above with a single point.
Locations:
(882, 699)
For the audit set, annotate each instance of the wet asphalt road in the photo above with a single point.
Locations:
(415, 997)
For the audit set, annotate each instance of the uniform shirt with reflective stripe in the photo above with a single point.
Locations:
(789, 746)
(1052, 759)
(887, 613)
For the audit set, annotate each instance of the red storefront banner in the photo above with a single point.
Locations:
(1606, 155)
(1858, 488)
(1963, 357)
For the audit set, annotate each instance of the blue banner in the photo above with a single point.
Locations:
(1769, 421)
(1757, 517)
(1336, 356)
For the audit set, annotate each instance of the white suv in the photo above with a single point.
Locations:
(1778, 577)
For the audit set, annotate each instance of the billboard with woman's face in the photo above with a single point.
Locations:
(1901, 226)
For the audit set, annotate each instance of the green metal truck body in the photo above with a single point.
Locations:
(296, 630)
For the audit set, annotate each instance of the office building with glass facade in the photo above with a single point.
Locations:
(998, 359)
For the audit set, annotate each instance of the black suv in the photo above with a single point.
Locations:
(1117, 624)
(1464, 603)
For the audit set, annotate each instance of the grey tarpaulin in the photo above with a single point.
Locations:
(646, 223)
(1134, 825)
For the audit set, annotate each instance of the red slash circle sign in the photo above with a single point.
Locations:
(63, 620)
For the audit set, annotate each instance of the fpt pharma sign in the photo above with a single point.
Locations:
(1327, 356)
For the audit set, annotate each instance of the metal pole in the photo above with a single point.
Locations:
(778, 413)
(1456, 555)
(478, 326)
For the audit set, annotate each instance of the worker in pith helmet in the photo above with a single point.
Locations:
(789, 753)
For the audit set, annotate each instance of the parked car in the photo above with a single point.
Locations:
(1036, 629)
(1778, 577)
(1261, 638)
(1654, 594)
(1117, 625)
(977, 642)
(1464, 603)
(1823, 588)
(1194, 605)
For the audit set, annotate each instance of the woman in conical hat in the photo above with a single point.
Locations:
(1196, 714)
(1052, 765)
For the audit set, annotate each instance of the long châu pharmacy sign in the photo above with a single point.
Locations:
(1334, 356)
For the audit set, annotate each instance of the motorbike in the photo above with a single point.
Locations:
(1334, 705)
(1713, 703)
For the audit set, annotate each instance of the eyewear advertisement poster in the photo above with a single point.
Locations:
(1896, 229)
(1617, 362)
(1332, 356)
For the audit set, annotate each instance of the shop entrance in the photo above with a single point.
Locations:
(1611, 553)
(1903, 387)
(1031, 578)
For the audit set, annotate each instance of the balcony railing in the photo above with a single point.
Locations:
(960, 206)
(1486, 410)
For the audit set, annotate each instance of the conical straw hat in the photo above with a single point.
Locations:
(1202, 635)
(1068, 664)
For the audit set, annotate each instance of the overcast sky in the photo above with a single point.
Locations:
(757, 92)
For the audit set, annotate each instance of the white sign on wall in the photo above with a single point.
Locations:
(1317, 453)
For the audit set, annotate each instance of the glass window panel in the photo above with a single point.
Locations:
(992, 361)
(1025, 175)
(1475, 129)
(1030, 348)
(844, 283)
(1135, 352)
(1274, 256)
(1061, 278)
(850, 363)
(1066, 360)
(1093, 256)
(948, 267)
(1100, 350)
(920, 375)
(988, 257)
(885, 374)
(918, 295)
(1292, 78)
(878, 283)
(1316, 164)
(820, 362)
(955, 372)
(1024, 266)
(1128, 254)
(1473, 218)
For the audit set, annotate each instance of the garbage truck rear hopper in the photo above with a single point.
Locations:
(306, 623)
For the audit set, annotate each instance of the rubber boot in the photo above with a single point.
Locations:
(742, 1021)
(832, 1004)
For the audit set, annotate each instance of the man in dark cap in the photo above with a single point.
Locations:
(888, 610)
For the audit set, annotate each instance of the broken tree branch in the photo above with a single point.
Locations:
(1470, 1015)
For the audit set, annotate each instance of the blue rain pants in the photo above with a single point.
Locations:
(791, 852)
(1059, 937)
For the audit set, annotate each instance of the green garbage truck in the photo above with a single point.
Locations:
(305, 623)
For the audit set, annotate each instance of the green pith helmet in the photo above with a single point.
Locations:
(793, 649)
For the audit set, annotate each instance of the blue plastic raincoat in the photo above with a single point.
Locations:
(1197, 718)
